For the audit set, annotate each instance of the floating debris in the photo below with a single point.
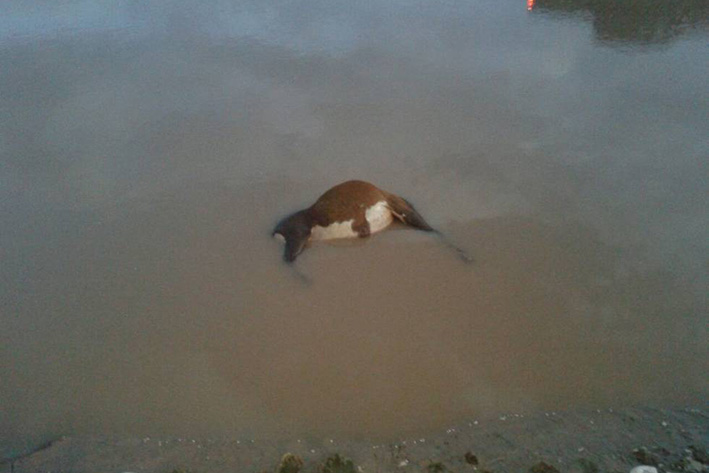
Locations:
(645, 457)
(290, 464)
(543, 467)
(471, 459)
(436, 467)
(338, 464)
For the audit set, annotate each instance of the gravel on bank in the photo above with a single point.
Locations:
(579, 441)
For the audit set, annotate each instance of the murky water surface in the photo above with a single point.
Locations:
(147, 149)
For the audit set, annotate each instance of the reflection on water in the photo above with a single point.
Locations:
(642, 22)
(146, 154)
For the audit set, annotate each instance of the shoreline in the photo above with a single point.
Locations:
(581, 440)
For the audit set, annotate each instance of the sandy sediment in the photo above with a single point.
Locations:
(585, 441)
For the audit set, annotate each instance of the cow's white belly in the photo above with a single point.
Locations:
(378, 216)
(333, 231)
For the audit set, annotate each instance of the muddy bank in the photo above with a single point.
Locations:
(607, 440)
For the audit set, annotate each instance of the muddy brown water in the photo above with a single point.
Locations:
(147, 151)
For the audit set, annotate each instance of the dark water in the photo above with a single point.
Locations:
(147, 149)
